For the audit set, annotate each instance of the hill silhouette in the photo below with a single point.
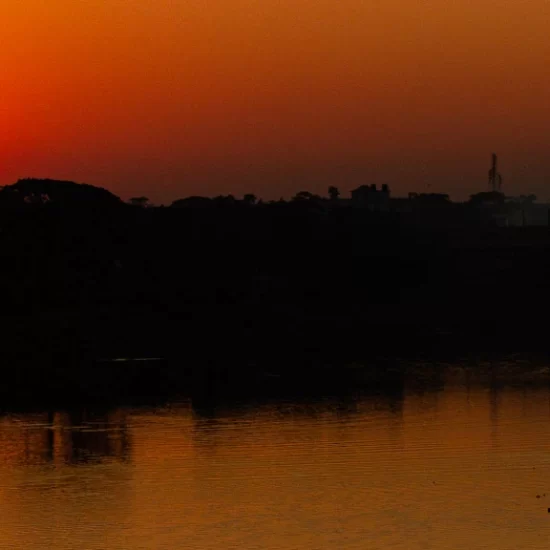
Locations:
(65, 193)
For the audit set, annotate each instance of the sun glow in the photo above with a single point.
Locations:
(169, 98)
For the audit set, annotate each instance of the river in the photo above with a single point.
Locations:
(453, 461)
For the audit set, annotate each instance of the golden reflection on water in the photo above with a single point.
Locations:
(458, 466)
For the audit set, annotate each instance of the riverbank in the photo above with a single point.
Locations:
(290, 291)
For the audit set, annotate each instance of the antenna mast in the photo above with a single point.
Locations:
(495, 179)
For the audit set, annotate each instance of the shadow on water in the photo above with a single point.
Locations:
(68, 437)
(212, 397)
(63, 432)
(211, 385)
(50, 382)
(86, 436)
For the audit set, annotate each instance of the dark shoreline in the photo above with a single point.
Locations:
(60, 381)
(235, 290)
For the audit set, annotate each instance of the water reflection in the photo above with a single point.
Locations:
(451, 463)
(62, 437)
(310, 396)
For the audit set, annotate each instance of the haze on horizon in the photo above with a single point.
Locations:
(169, 98)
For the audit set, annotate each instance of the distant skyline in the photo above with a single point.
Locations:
(170, 98)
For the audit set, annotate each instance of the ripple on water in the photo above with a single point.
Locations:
(451, 467)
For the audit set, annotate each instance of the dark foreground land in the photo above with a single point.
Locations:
(278, 290)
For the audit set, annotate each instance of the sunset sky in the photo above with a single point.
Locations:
(170, 98)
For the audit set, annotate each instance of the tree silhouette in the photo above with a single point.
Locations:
(61, 193)
(139, 201)
(333, 193)
(250, 199)
(304, 196)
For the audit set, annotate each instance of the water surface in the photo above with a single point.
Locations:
(454, 463)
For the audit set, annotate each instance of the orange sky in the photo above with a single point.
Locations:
(175, 97)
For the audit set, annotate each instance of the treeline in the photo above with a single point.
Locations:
(245, 280)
